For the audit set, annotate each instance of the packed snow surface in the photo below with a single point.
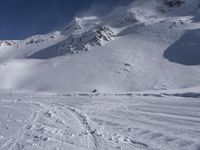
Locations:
(129, 81)
(128, 121)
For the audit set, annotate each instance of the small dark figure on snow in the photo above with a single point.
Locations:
(94, 91)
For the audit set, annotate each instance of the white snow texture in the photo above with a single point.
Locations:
(129, 80)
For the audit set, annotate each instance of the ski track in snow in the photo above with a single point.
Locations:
(48, 124)
(99, 123)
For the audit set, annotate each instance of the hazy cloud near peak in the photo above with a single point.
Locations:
(100, 8)
(22, 18)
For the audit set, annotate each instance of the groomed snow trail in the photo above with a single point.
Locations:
(138, 121)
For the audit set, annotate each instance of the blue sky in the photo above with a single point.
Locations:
(22, 18)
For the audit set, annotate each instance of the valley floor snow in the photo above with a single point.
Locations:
(135, 121)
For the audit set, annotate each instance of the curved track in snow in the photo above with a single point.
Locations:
(55, 124)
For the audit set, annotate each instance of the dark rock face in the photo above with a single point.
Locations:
(34, 41)
(174, 3)
(77, 43)
(82, 42)
(7, 43)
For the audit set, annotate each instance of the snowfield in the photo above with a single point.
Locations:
(129, 81)
(87, 122)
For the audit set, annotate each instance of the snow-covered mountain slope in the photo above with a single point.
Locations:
(127, 81)
(137, 47)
